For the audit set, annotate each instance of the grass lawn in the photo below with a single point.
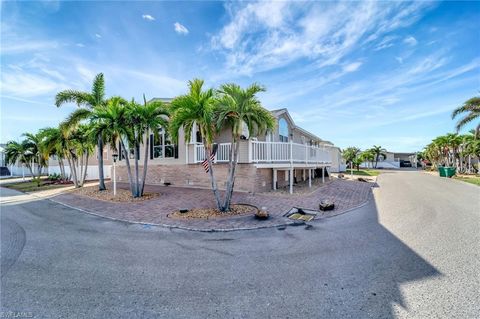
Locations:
(364, 172)
(30, 186)
(475, 180)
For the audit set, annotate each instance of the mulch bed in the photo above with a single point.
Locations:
(122, 196)
(207, 213)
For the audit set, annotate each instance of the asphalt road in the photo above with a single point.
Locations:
(413, 252)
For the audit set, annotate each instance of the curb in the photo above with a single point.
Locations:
(206, 230)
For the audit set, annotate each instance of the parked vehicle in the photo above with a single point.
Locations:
(405, 163)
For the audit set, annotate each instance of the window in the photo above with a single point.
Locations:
(131, 151)
(283, 130)
(162, 146)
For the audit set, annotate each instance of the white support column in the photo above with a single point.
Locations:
(323, 174)
(274, 178)
(304, 177)
(291, 180)
(309, 177)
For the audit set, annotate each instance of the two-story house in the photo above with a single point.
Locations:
(276, 159)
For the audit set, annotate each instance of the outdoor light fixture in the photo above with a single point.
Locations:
(115, 156)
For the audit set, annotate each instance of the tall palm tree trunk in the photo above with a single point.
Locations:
(231, 175)
(84, 176)
(73, 171)
(101, 178)
(137, 180)
(145, 163)
(129, 170)
(213, 180)
(62, 168)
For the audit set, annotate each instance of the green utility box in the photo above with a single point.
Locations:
(446, 171)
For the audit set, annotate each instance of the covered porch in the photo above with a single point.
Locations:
(286, 175)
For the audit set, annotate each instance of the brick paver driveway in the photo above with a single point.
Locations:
(345, 194)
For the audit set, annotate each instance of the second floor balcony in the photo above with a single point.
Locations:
(259, 152)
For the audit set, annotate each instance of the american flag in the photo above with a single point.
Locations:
(205, 165)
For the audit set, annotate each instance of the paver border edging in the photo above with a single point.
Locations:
(205, 230)
(292, 223)
(285, 224)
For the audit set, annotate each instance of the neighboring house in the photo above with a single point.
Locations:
(2, 155)
(394, 159)
(272, 160)
(4, 171)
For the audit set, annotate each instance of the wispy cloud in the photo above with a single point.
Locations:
(148, 17)
(98, 36)
(257, 37)
(386, 42)
(180, 28)
(24, 84)
(27, 46)
(352, 67)
(410, 41)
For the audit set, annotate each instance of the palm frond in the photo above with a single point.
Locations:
(73, 96)
(98, 89)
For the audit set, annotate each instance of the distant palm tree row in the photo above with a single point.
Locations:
(448, 150)
(354, 156)
(101, 121)
(453, 149)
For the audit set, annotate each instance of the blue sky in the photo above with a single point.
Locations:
(354, 73)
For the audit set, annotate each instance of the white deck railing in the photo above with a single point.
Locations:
(271, 152)
(222, 155)
(279, 152)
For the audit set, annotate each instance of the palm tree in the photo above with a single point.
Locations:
(29, 152)
(367, 156)
(79, 144)
(197, 107)
(453, 143)
(152, 115)
(238, 108)
(55, 144)
(377, 152)
(350, 154)
(472, 108)
(19, 152)
(91, 100)
(470, 148)
(114, 124)
(142, 119)
(35, 146)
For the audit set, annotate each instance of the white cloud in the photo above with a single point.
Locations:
(25, 45)
(352, 67)
(262, 36)
(80, 45)
(24, 84)
(410, 41)
(148, 17)
(399, 59)
(180, 28)
(386, 42)
(98, 36)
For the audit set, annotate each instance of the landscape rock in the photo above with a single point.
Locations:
(326, 205)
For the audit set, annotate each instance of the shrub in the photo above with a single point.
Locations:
(54, 177)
